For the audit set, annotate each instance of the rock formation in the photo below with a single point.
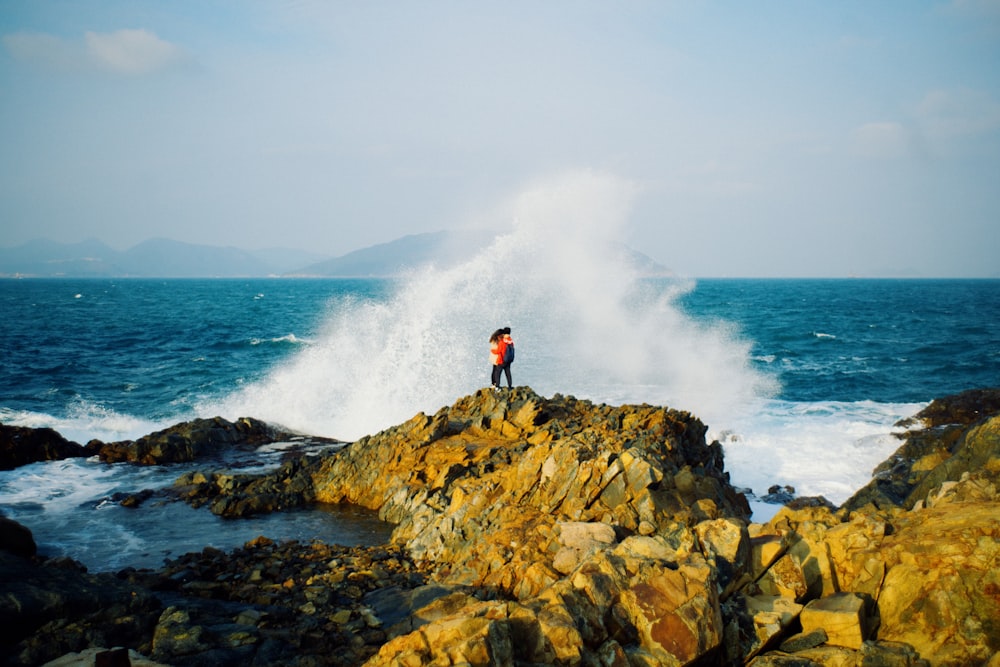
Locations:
(20, 445)
(190, 441)
(554, 531)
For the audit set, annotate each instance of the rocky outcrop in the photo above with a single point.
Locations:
(937, 449)
(190, 441)
(485, 488)
(20, 445)
(55, 607)
(266, 603)
(232, 495)
(920, 546)
(555, 531)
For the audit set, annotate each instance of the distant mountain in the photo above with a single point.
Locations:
(42, 257)
(164, 258)
(444, 249)
(286, 260)
(155, 258)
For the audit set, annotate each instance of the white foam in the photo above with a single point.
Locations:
(583, 322)
(827, 449)
(85, 420)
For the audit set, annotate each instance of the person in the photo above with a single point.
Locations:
(507, 355)
(496, 357)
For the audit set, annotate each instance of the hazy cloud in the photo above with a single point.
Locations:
(949, 115)
(130, 52)
(881, 140)
(751, 133)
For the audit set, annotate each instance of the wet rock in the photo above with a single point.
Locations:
(965, 408)
(957, 435)
(190, 441)
(240, 495)
(20, 445)
(51, 608)
(16, 538)
(779, 495)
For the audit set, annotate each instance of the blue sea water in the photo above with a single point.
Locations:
(801, 380)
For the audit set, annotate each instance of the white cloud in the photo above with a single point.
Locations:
(131, 52)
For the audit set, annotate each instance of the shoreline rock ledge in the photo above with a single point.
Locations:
(553, 531)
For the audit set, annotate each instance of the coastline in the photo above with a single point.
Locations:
(492, 472)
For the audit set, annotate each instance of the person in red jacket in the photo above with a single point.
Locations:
(506, 355)
(497, 348)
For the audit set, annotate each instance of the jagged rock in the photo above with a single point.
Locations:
(756, 623)
(190, 441)
(577, 539)
(480, 486)
(727, 543)
(965, 408)
(20, 445)
(556, 531)
(959, 435)
(941, 592)
(55, 607)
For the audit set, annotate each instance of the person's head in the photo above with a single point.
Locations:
(506, 331)
(495, 336)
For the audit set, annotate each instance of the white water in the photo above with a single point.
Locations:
(584, 325)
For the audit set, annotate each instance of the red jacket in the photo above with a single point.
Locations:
(496, 352)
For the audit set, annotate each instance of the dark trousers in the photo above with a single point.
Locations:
(495, 378)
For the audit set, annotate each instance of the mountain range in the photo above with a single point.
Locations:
(165, 258)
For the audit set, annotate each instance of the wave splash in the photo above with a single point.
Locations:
(584, 320)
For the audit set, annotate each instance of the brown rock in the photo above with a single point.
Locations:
(20, 445)
(189, 441)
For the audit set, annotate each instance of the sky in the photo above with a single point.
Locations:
(782, 139)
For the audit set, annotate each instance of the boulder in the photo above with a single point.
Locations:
(842, 617)
(16, 538)
(20, 445)
(189, 441)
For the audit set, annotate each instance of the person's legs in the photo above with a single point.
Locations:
(506, 370)
(495, 376)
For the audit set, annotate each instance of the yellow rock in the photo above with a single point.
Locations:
(841, 615)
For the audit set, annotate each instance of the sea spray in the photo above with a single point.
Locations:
(584, 320)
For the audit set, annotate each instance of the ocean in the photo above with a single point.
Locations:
(801, 380)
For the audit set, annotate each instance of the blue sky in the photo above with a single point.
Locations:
(762, 139)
